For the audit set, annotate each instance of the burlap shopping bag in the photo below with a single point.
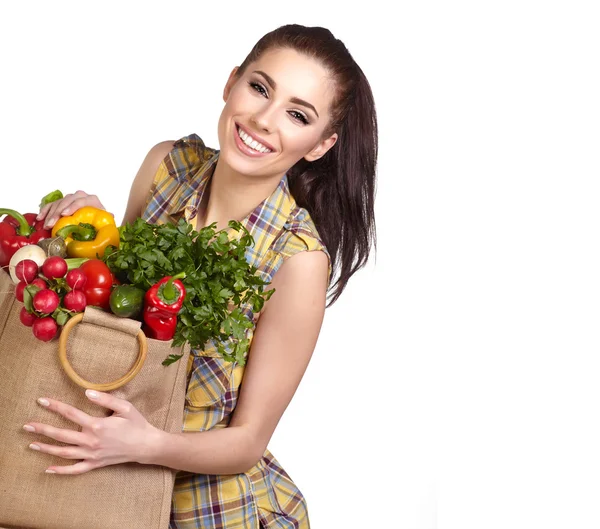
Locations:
(123, 496)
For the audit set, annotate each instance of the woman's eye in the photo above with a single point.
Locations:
(258, 87)
(299, 117)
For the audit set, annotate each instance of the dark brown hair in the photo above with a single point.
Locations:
(338, 189)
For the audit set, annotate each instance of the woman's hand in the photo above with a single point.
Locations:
(103, 441)
(67, 206)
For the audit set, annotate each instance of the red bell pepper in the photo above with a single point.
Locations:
(18, 230)
(162, 302)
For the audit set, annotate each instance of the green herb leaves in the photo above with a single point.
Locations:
(171, 359)
(222, 288)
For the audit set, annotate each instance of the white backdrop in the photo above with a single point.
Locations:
(455, 382)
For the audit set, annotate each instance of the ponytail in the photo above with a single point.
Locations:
(338, 190)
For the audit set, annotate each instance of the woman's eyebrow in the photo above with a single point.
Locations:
(296, 100)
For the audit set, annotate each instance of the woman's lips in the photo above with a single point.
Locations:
(256, 137)
(249, 151)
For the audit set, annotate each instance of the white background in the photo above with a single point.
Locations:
(455, 382)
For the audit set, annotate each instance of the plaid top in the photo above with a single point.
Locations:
(265, 496)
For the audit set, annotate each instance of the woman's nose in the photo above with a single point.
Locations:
(264, 119)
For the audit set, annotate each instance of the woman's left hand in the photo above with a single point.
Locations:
(103, 441)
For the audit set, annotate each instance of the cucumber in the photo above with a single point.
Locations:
(126, 301)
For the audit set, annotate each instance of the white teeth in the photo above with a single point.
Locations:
(251, 142)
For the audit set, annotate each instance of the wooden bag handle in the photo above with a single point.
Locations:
(62, 356)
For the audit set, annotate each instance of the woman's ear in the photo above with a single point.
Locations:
(230, 82)
(321, 148)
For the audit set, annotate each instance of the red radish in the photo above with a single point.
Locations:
(29, 251)
(76, 279)
(40, 283)
(75, 301)
(44, 328)
(19, 290)
(26, 270)
(27, 318)
(46, 301)
(54, 267)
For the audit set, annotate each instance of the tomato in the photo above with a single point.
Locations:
(99, 283)
(98, 297)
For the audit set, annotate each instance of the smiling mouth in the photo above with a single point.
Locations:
(250, 142)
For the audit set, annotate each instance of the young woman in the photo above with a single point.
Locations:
(297, 159)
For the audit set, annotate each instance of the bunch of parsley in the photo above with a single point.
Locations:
(218, 281)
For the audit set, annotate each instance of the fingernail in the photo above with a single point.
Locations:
(43, 402)
(39, 217)
(50, 471)
(28, 428)
(34, 447)
(91, 394)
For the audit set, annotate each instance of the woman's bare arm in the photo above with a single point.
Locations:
(283, 343)
(143, 180)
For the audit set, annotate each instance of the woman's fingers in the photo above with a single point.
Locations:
(67, 206)
(73, 470)
(57, 208)
(51, 206)
(43, 214)
(120, 406)
(52, 214)
(58, 434)
(68, 412)
(90, 200)
(66, 452)
(43, 211)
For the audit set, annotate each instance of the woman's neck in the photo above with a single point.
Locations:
(231, 196)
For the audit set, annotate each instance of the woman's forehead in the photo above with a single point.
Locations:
(289, 60)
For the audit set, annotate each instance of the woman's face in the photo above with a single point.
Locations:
(281, 101)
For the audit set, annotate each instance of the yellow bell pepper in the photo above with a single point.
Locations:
(87, 232)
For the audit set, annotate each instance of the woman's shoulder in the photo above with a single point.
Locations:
(195, 144)
(300, 234)
(183, 158)
(175, 166)
(157, 154)
(183, 147)
(301, 229)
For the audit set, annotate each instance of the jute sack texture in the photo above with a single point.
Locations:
(129, 495)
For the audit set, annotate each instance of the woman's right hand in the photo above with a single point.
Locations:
(67, 206)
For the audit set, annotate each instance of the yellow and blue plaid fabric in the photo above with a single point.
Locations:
(265, 496)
